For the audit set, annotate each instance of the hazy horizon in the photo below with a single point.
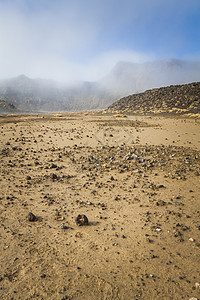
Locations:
(104, 76)
(84, 40)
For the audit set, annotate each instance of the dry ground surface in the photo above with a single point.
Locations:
(137, 181)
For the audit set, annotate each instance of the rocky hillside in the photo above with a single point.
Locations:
(5, 107)
(177, 99)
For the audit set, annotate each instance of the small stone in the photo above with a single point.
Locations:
(158, 229)
(177, 203)
(149, 240)
(191, 239)
(53, 176)
(28, 178)
(53, 166)
(81, 220)
(161, 186)
(31, 217)
(197, 285)
(63, 226)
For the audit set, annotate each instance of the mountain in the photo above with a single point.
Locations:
(30, 94)
(6, 107)
(128, 78)
(125, 78)
(36, 95)
(176, 99)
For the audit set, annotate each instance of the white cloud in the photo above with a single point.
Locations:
(104, 62)
(69, 40)
(43, 44)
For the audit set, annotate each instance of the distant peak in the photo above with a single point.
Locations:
(122, 63)
(23, 77)
(174, 62)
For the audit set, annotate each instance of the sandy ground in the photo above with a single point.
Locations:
(137, 181)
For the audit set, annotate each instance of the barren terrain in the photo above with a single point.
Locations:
(137, 181)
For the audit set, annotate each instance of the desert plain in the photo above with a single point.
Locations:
(135, 178)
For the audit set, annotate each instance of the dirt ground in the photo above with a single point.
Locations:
(136, 179)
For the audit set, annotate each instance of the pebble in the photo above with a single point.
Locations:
(31, 217)
(191, 239)
(197, 285)
(63, 226)
(53, 176)
(53, 166)
(81, 220)
(158, 229)
(177, 203)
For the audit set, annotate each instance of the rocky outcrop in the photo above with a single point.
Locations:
(6, 107)
(176, 99)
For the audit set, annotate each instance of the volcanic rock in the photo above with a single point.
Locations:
(81, 220)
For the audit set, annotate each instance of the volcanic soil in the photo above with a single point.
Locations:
(136, 180)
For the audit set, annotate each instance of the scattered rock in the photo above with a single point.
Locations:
(53, 166)
(53, 176)
(81, 220)
(63, 226)
(197, 285)
(31, 217)
(177, 203)
(191, 239)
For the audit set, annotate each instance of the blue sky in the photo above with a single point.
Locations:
(83, 39)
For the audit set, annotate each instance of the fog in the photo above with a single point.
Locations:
(83, 40)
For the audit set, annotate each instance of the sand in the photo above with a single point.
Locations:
(137, 181)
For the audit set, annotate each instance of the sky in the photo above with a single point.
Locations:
(69, 40)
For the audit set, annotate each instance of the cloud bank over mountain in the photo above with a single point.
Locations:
(83, 40)
(125, 78)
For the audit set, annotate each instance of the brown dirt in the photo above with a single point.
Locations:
(136, 180)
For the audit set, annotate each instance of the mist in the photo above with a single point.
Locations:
(84, 40)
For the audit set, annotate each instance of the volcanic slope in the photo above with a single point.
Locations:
(6, 107)
(176, 99)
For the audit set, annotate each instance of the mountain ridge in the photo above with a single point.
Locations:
(126, 78)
